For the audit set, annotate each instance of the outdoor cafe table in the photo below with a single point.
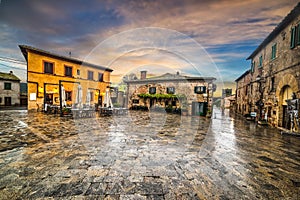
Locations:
(120, 111)
(82, 113)
(104, 111)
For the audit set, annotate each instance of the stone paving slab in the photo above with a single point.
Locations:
(144, 156)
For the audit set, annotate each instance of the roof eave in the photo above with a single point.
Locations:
(25, 49)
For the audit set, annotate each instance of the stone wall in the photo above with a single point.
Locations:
(14, 93)
(270, 79)
(181, 88)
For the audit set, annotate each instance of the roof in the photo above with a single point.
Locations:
(171, 77)
(25, 49)
(243, 75)
(284, 23)
(8, 77)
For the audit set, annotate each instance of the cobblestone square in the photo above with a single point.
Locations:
(145, 155)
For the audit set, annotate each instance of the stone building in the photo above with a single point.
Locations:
(45, 71)
(243, 96)
(193, 94)
(9, 89)
(274, 76)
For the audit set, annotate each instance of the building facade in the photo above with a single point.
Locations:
(46, 71)
(243, 94)
(9, 89)
(274, 77)
(193, 94)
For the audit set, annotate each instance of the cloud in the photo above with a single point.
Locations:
(79, 26)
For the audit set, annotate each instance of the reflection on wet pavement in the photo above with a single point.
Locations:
(145, 155)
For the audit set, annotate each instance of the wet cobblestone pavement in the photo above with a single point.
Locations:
(145, 156)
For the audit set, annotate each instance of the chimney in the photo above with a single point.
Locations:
(143, 75)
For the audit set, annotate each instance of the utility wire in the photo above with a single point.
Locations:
(12, 67)
(12, 59)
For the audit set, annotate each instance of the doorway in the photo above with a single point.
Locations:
(199, 108)
(285, 94)
(49, 99)
(7, 101)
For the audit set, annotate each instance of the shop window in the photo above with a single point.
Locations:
(68, 95)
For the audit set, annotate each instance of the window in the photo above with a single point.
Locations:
(48, 68)
(68, 71)
(7, 86)
(90, 75)
(68, 95)
(0, 100)
(260, 61)
(171, 90)
(293, 37)
(100, 77)
(252, 66)
(152, 90)
(274, 49)
(78, 72)
(272, 84)
(200, 89)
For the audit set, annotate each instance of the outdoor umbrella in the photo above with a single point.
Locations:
(78, 99)
(107, 100)
(63, 96)
(88, 98)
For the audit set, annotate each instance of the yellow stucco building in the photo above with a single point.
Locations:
(46, 70)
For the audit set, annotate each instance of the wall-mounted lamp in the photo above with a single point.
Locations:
(41, 89)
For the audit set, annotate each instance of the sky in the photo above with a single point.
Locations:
(194, 37)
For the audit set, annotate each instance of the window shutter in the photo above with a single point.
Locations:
(298, 34)
(293, 33)
(274, 48)
(260, 61)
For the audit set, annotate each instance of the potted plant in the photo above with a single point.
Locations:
(66, 111)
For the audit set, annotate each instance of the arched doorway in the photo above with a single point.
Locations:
(286, 86)
(285, 94)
